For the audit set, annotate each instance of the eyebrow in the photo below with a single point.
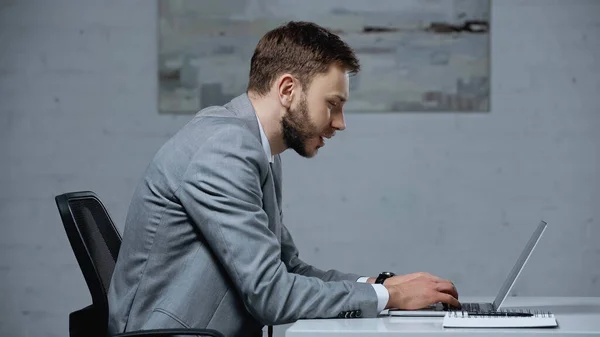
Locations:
(338, 96)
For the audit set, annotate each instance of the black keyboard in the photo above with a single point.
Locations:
(470, 307)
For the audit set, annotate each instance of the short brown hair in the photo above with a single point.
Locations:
(300, 48)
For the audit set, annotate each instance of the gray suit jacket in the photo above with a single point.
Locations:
(204, 244)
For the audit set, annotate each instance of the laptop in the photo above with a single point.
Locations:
(440, 309)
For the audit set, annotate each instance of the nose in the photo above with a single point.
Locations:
(338, 122)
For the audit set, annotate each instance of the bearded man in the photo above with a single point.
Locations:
(204, 244)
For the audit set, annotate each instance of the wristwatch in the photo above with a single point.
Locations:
(383, 276)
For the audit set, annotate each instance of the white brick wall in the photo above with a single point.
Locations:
(78, 111)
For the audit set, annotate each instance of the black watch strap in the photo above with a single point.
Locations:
(384, 276)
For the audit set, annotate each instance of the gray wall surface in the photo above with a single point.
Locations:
(456, 195)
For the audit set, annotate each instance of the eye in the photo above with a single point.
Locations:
(331, 104)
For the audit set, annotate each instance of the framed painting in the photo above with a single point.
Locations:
(416, 55)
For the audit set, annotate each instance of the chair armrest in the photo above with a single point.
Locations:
(171, 332)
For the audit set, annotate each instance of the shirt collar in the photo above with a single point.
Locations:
(265, 141)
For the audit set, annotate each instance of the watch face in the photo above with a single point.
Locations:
(383, 276)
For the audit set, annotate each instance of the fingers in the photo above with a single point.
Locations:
(421, 292)
(449, 299)
(443, 285)
(455, 291)
(447, 287)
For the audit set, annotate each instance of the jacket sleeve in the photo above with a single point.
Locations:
(222, 194)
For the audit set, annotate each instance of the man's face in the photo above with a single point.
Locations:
(316, 114)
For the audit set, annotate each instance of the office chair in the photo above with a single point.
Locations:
(95, 242)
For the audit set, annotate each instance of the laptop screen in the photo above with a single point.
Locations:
(514, 273)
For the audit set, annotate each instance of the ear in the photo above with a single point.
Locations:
(286, 86)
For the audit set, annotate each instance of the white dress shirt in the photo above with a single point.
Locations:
(383, 295)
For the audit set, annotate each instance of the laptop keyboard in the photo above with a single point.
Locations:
(471, 307)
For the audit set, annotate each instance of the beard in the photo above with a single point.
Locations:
(298, 129)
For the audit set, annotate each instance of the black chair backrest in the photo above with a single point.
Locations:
(95, 242)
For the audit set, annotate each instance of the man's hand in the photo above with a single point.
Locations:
(419, 290)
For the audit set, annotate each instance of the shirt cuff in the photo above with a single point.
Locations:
(362, 279)
(383, 296)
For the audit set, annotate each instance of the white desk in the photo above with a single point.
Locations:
(575, 316)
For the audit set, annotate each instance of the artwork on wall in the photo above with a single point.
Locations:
(416, 55)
